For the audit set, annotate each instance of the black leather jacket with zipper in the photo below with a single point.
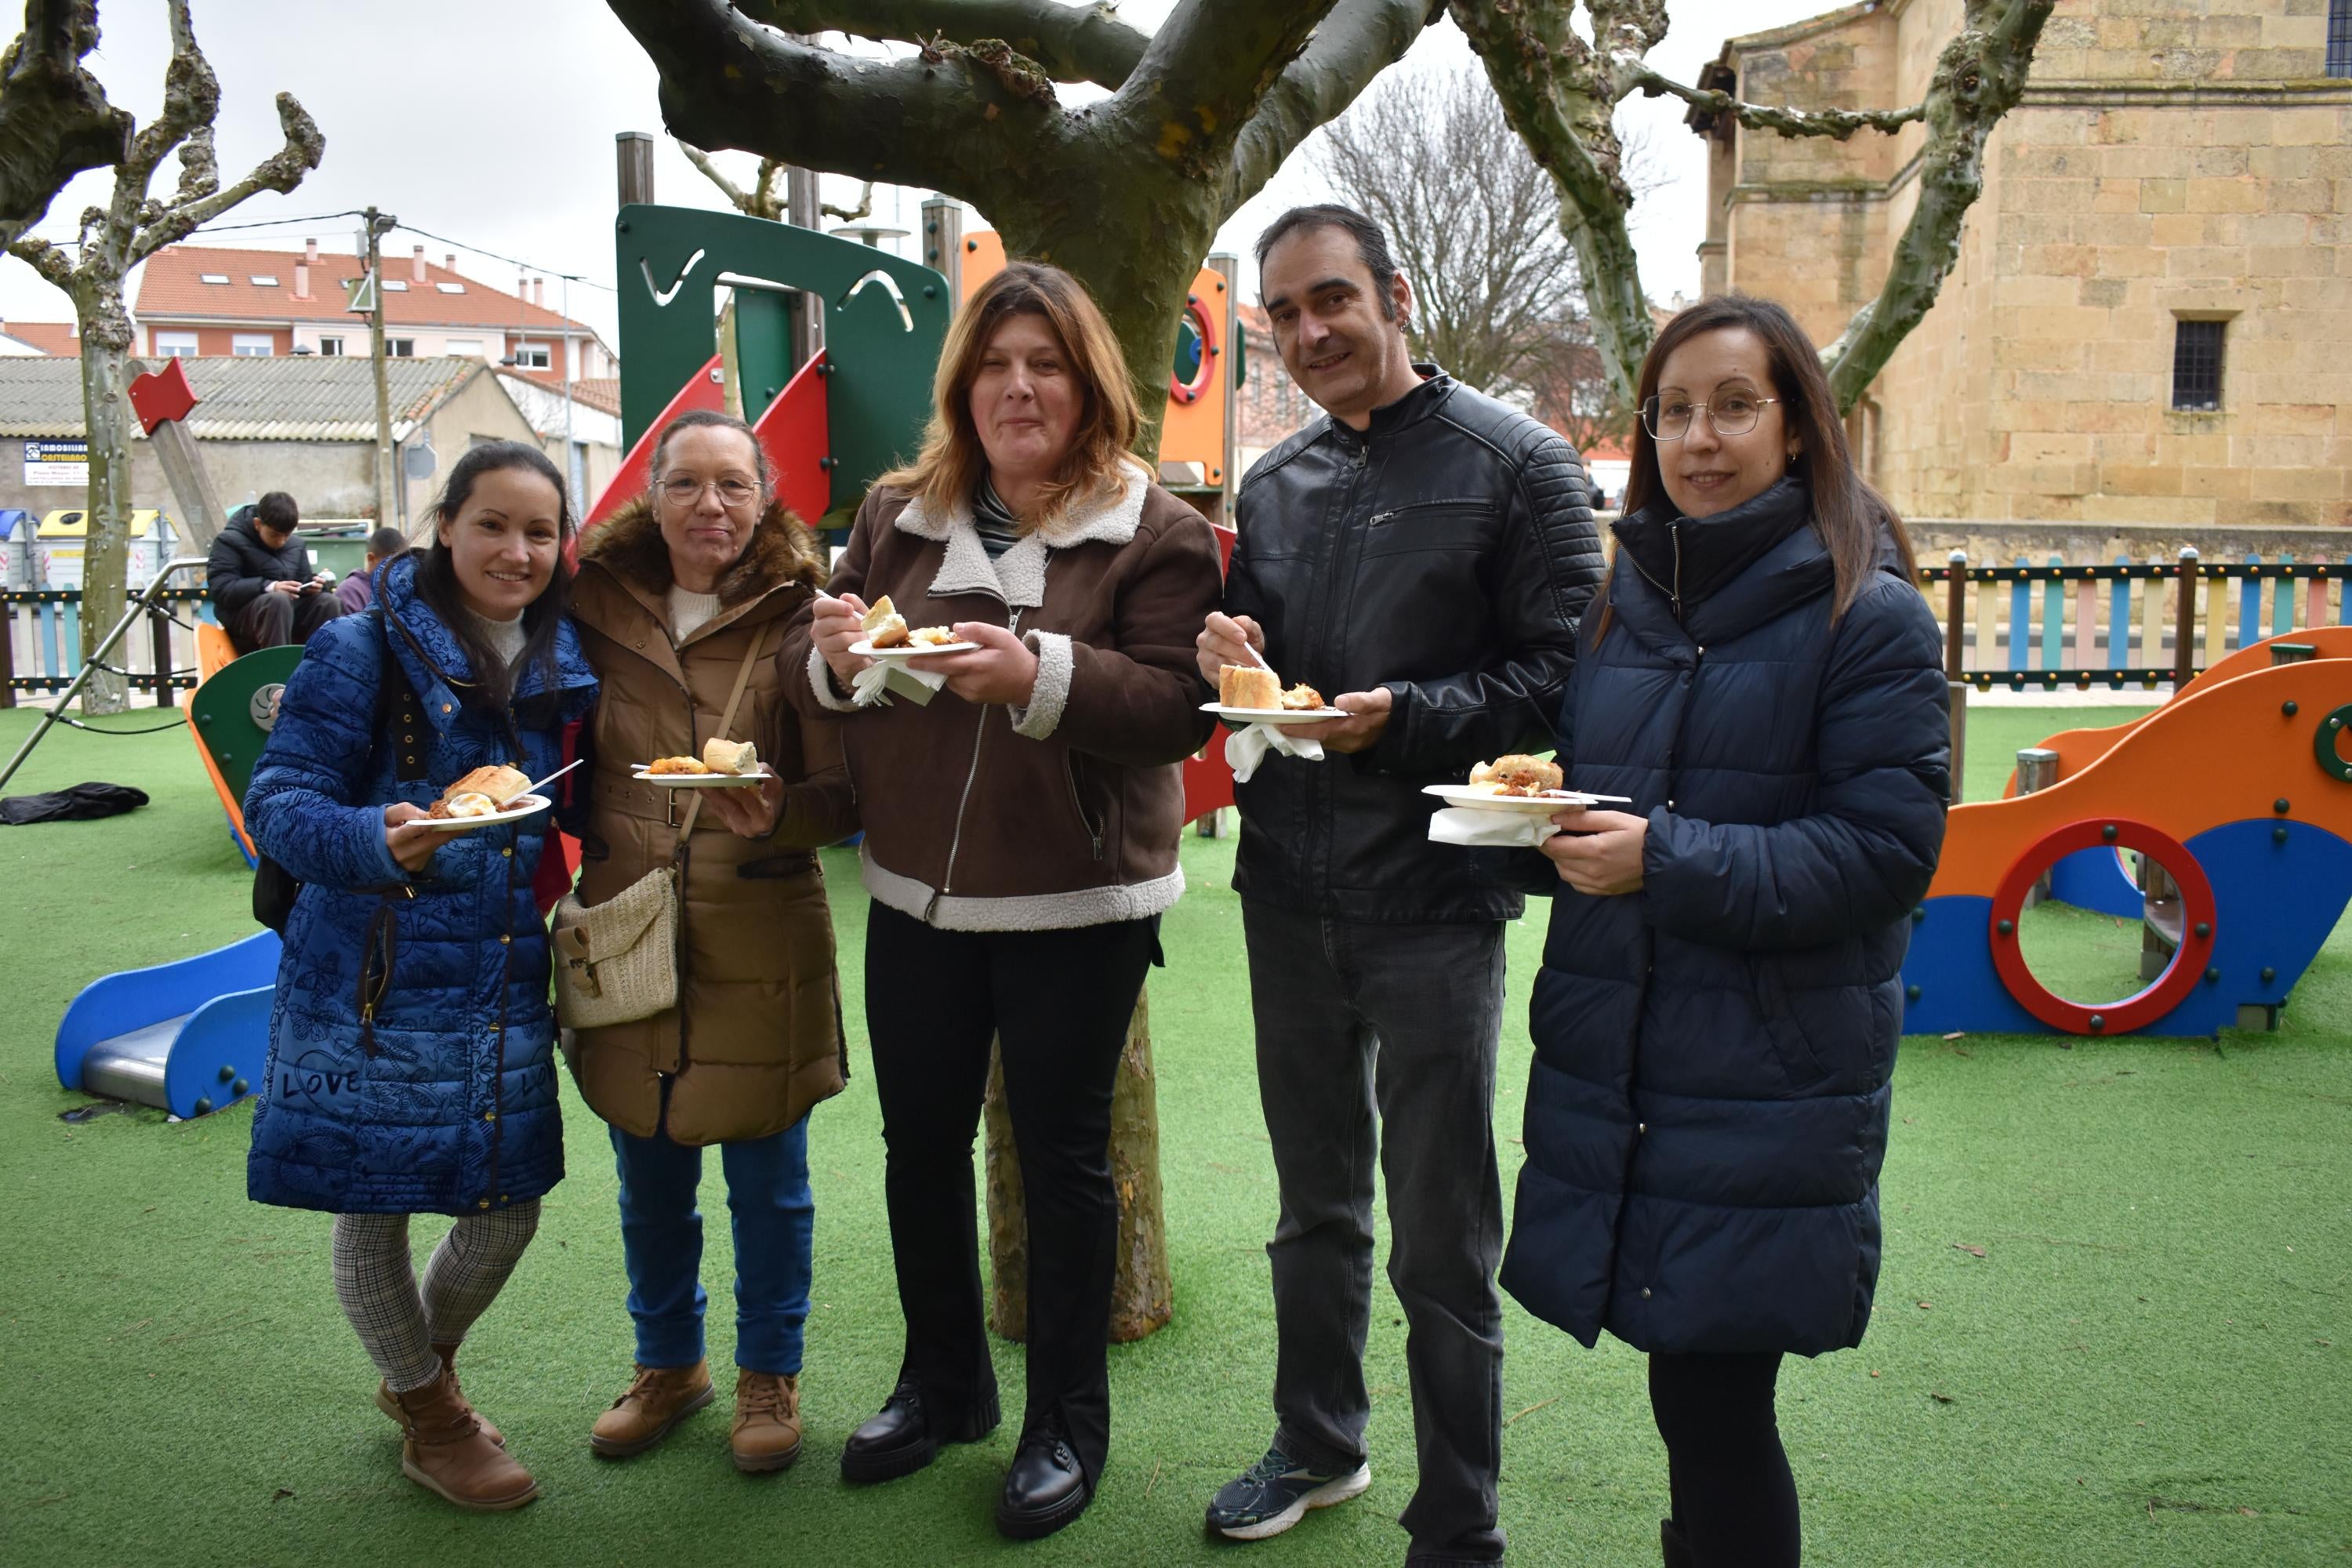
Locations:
(1446, 552)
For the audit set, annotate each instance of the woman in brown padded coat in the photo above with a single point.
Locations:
(673, 595)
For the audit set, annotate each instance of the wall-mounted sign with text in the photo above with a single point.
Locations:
(60, 463)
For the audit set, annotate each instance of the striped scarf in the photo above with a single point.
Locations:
(999, 529)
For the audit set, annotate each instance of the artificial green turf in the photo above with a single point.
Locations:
(2144, 1365)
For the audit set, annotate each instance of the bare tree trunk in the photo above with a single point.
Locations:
(115, 237)
(1142, 1296)
(106, 374)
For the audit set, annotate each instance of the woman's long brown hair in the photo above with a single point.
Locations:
(1848, 514)
(952, 459)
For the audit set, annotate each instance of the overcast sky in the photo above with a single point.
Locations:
(491, 122)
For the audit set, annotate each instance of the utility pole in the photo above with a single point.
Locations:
(801, 210)
(377, 227)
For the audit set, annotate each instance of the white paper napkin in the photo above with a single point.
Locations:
(877, 680)
(1488, 829)
(1248, 748)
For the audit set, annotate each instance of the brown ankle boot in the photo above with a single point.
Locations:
(446, 1452)
(767, 1431)
(657, 1399)
(448, 1355)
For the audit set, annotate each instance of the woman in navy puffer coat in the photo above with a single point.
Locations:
(410, 1043)
(1716, 1016)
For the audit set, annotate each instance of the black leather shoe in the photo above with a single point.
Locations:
(1046, 1488)
(906, 1435)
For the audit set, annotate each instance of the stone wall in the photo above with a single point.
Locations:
(2165, 166)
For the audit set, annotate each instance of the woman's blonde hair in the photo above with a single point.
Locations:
(942, 476)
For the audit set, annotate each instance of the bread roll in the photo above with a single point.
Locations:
(1516, 774)
(731, 756)
(1240, 686)
(885, 627)
(501, 784)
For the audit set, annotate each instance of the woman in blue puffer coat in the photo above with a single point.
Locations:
(1717, 1015)
(411, 1043)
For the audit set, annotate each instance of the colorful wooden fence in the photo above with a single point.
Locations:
(41, 650)
(2129, 622)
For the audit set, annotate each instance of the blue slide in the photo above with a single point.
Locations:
(188, 1038)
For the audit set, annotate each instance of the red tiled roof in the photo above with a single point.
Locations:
(171, 289)
(54, 338)
(603, 393)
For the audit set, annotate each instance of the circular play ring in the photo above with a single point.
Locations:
(2324, 744)
(2168, 989)
(1190, 391)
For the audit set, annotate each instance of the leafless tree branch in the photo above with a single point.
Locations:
(55, 120)
(1068, 43)
(1840, 123)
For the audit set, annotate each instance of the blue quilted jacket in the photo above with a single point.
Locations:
(1708, 1112)
(440, 1097)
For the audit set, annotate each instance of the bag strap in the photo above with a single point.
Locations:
(726, 722)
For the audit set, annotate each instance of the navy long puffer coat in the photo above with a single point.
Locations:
(444, 1098)
(1707, 1110)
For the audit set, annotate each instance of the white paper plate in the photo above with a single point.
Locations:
(701, 780)
(865, 650)
(1526, 805)
(1241, 716)
(522, 805)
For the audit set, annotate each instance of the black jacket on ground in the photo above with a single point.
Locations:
(240, 567)
(1445, 552)
(1707, 1110)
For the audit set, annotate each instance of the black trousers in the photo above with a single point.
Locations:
(273, 620)
(1376, 1047)
(1058, 1003)
(1733, 1499)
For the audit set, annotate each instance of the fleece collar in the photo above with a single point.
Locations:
(1018, 577)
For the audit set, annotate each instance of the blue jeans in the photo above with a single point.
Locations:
(774, 1218)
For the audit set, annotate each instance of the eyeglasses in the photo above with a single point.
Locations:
(1733, 414)
(684, 491)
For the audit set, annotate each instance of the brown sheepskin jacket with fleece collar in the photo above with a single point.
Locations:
(1066, 811)
(756, 1038)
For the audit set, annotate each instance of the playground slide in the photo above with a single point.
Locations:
(188, 1036)
(2239, 788)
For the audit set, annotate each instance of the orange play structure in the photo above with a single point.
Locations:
(2240, 788)
(2078, 749)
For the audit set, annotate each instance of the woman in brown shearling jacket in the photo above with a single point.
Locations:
(1022, 828)
(673, 596)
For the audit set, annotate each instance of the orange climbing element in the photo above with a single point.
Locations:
(2078, 749)
(2228, 750)
(214, 653)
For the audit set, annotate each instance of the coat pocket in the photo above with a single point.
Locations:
(377, 959)
(1464, 524)
(1783, 1030)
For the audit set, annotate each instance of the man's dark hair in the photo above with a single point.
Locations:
(277, 513)
(1372, 245)
(386, 543)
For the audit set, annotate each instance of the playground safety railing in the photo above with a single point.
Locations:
(2124, 624)
(42, 650)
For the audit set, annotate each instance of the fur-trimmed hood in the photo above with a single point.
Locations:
(782, 551)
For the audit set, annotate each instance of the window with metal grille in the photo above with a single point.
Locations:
(2340, 38)
(2197, 364)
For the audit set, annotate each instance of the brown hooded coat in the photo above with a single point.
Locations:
(756, 1038)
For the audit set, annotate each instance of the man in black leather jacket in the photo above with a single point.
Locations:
(1421, 556)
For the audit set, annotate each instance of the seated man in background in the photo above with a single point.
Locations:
(357, 591)
(264, 587)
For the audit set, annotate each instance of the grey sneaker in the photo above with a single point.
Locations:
(1275, 1493)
